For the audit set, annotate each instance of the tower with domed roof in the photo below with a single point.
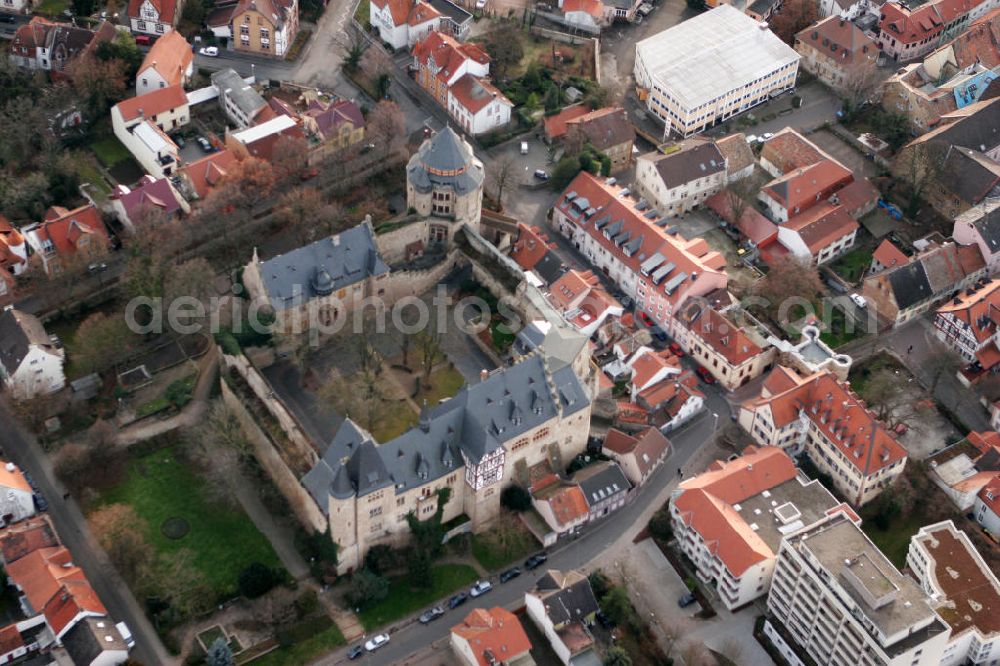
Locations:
(444, 182)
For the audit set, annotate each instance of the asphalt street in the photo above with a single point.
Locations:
(70, 524)
(409, 636)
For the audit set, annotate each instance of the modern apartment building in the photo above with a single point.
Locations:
(820, 415)
(739, 63)
(730, 520)
(963, 591)
(845, 604)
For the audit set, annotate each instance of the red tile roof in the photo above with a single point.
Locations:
(400, 9)
(841, 40)
(531, 245)
(26, 537)
(13, 478)
(421, 13)
(648, 364)
(64, 227)
(804, 186)
(751, 224)
(152, 103)
(571, 287)
(724, 337)
(447, 54)
(593, 7)
(646, 447)
(566, 500)
(165, 8)
(170, 56)
(889, 255)
(926, 21)
(555, 125)
(206, 173)
(495, 631)
(979, 309)
(667, 398)
(474, 93)
(821, 225)
(10, 639)
(990, 495)
(836, 412)
(788, 150)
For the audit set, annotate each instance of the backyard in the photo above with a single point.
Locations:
(895, 541)
(403, 600)
(853, 264)
(164, 488)
(116, 159)
(508, 543)
(309, 639)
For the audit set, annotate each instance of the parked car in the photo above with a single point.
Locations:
(99, 267)
(205, 145)
(705, 375)
(376, 642)
(179, 140)
(431, 614)
(675, 349)
(355, 652)
(604, 620)
(767, 136)
(541, 174)
(660, 335)
(686, 600)
(126, 634)
(536, 560)
(142, 40)
(645, 319)
(480, 588)
(859, 300)
(210, 51)
(510, 574)
(458, 600)
(524, 147)
(40, 502)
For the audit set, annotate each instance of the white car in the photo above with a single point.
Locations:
(376, 642)
(859, 300)
(766, 136)
(524, 147)
(751, 138)
(481, 588)
(210, 51)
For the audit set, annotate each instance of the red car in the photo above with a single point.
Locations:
(646, 319)
(705, 375)
(676, 350)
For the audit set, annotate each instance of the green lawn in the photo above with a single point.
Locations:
(498, 548)
(853, 264)
(312, 639)
(895, 542)
(89, 173)
(445, 383)
(110, 151)
(396, 419)
(223, 540)
(363, 14)
(151, 407)
(837, 334)
(52, 7)
(403, 601)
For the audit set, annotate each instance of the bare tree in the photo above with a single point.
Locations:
(386, 127)
(221, 445)
(299, 209)
(892, 400)
(289, 157)
(792, 17)
(938, 364)
(860, 84)
(429, 346)
(376, 66)
(502, 170)
(362, 394)
(792, 278)
(919, 166)
(740, 194)
(122, 534)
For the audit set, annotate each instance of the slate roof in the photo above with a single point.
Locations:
(480, 419)
(248, 100)
(605, 128)
(90, 637)
(18, 332)
(568, 597)
(695, 161)
(910, 285)
(988, 226)
(323, 267)
(970, 174)
(445, 160)
(601, 481)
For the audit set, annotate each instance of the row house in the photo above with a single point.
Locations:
(681, 178)
(666, 405)
(589, 494)
(608, 130)
(731, 520)
(456, 76)
(535, 254)
(639, 454)
(954, 576)
(153, 17)
(723, 348)
(582, 301)
(489, 637)
(986, 508)
(952, 76)
(980, 226)
(969, 323)
(651, 263)
(149, 202)
(843, 602)
(902, 293)
(819, 415)
(13, 257)
(887, 256)
(563, 606)
(906, 33)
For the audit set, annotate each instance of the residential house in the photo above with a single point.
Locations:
(535, 254)
(839, 54)
(262, 140)
(738, 65)
(604, 486)
(17, 502)
(31, 364)
(142, 125)
(239, 100)
(845, 9)
(821, 416)
(455, 75)
(42, 44)
(154, 17)
(961, 157)
(963, 469)
(728, 351)
(13, 257)
(95, 641)
(18, 6)
(582, 301)
(68, 238)
(840, 600)
(906, 33)
(265, 27)
(666, 404)
(473, 443)
(562, 605)
(638, 455)
(332, 127)
(608, 130)
(555, 126)
(23, 538)
(980, 226)
(561, 505)
(731, 519)
(403, 23)
(170, 62)
(949, 78)
(488, 637)
(787, 151)
(902, 293)
(953, 574)
(21, 639)
(759, 232)
(986, 509)
(684, 177)
(320, 282)
(887, 256)
(969, 324)
(657, 269)
(589, 16)
(199, 177)
(739, 157)
(152, 200)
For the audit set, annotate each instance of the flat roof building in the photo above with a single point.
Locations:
(738, 63)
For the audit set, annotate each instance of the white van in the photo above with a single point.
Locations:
(126, 635)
